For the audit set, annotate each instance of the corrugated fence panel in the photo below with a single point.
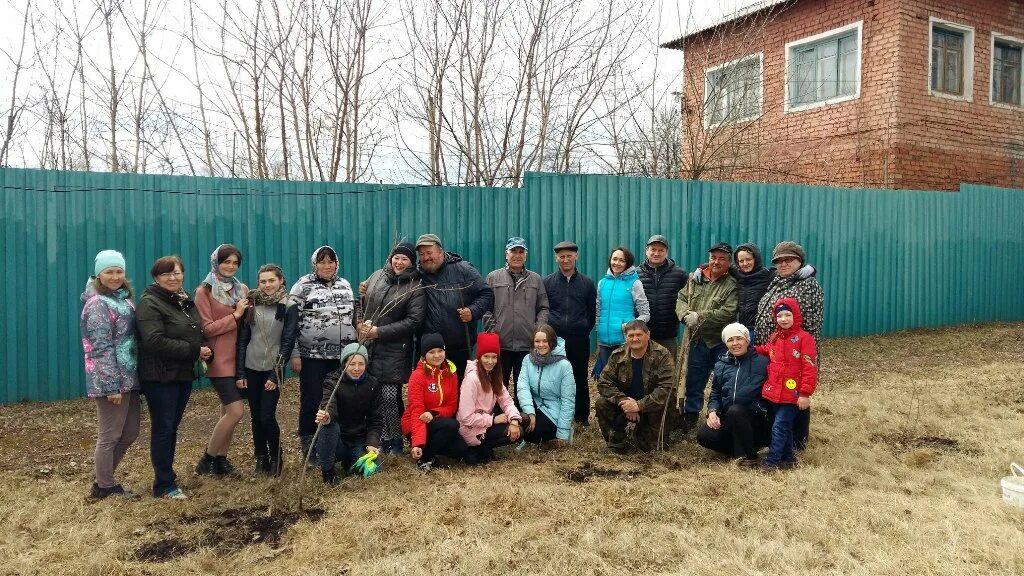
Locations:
(887, 260)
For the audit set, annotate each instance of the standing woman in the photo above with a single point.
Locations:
(327, 310)
(429, 419)
(170, 346)
(110, 346)
(222, 300)
(393, 310)
(266, 337)
(548, 397)
(620, 299)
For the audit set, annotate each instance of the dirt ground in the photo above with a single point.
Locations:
(910, 436)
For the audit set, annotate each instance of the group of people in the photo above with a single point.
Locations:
(413, 324)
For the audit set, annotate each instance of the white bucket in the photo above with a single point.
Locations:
(1013, 486)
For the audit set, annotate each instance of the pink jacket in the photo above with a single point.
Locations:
(220, 332)
(476, 407)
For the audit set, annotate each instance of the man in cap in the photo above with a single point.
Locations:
(662, 280)
(705, 308)
(572, 301)
(457, 297)
(520, 305)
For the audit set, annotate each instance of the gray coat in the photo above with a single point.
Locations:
(519, 306)
(392, 352)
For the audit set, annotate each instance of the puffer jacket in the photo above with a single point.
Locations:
(550, 389)
(738, 380)
(357, 407)
(620, 299)
(519, 307)
(661, 286)
(476, 407)
(326, 316)
(434, 390)
(462, 285)
(750, 286)
(109, 342)
(658, 377)
(572, 304)
(807, 292)
(793, 361)
(169, 336)
(714, 303)
(392, 352)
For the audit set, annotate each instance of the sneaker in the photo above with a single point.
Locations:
(116, 490)
(521, 446)
(205, 467)
(223, 467)
(747, 462)
(424, 465)
(174, 494)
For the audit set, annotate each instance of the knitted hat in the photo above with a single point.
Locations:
(353, 348)
(430, 341)
(735, 329)
(108, 259)
(487, 342)
(406, 249)
(788, 249)
(780, 307)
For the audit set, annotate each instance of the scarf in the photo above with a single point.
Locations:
(316, 277)
(261, 299)
(544, 360)
(224, 289)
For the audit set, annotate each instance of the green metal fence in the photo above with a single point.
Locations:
(888, 260)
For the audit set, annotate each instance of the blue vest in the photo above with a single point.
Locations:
(617, 306)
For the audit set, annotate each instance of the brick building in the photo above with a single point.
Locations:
(914, 94)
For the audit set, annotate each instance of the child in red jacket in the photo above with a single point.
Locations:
(792, 377)
(429, 418)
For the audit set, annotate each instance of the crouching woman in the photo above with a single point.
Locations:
(482, 391)
(429, 418)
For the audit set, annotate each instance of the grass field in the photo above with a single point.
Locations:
(910, 436)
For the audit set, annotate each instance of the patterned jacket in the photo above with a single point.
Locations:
(110, 343)
(326, 317)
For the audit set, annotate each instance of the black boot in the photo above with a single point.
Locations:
(330, 477)
(222, 466)
(274, 466)
(262, 464)
(205, 467)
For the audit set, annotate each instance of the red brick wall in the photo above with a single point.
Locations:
(895, 135)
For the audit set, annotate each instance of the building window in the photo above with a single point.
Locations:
(1007, 71)
(733, 91)
(951, 58)
(824, 69)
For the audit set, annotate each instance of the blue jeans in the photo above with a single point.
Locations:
(166, 404)
(699, 365)
(781, 448)
(331, 448)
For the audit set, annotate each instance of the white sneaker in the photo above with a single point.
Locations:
(175, 494)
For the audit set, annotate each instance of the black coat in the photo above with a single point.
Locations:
(572, 304)
(461, 286)
(358, 408)
(662, 285)
(170, 336)
(392, 352)
(289, 314)
(750, 287)
(739, 381)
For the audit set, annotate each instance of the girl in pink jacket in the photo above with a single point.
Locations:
(482, 389)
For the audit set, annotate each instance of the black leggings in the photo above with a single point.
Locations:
(443, 439)
(266, 434)
(742, 433)
(544, 431)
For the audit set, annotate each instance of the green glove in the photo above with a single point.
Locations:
(366, 465)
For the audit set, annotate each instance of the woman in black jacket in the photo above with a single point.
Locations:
(394, 307)
(266, 336)
(170, 349)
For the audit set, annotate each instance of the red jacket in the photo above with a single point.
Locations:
(793, 360)
(434, 390)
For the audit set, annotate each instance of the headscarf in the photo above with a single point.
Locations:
(225, 289)
(313, 259)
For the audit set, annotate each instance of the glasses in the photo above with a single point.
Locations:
(172, 274)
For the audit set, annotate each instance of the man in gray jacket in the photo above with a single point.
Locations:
(520, 305)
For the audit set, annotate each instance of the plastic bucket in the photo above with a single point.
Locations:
(1013, 486)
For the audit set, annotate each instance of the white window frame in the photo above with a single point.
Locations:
(997, 37)
(791, 47)
(760, 92)
(968, 71)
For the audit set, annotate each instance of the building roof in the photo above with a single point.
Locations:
(754, 8)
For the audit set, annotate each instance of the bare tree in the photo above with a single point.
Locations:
(17, 105)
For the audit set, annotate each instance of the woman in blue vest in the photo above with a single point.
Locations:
(620, 299)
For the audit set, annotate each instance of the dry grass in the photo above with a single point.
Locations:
(880, 491)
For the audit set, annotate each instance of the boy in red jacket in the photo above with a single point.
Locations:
(429, 419)
(792, 376)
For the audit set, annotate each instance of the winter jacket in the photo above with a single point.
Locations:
(750, 286)
(266, 337)
(519, 306)
(658, 377)
(550, 389)
(620, 299)
(476, 407)
(793, 361)
(357, 407)
(109, 341)
(405, 302)
(661, 286)
(807, 292)
(326, 315)
(572, 304)
(220, 330)
(169, 336)
(434, 390)
(714, 303)
(462, 285)
(738, 380)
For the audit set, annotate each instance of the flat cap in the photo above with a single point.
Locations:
(566, 245)
(721, 247)
(428, 240)
(657, 238)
